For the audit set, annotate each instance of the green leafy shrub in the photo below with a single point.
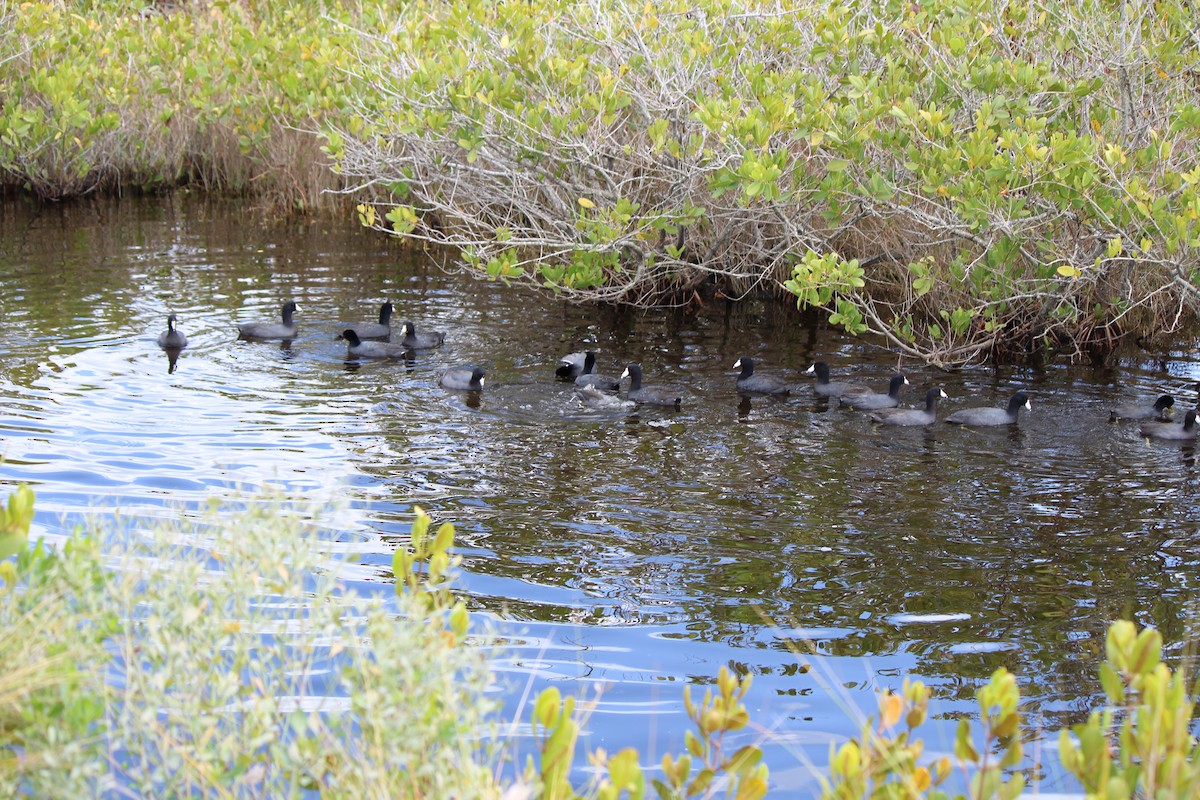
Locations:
(1143, 745)
(51, 707)
(739, 774)
(224, 657)
(15, 521)
(118, 96)
(882, 763)
(998, 177)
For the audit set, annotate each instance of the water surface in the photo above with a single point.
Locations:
(621, 555)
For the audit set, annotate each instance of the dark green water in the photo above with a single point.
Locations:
(625, 554)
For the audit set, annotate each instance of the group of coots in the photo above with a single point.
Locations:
(372, 340)
(363, 340)
(884, 407)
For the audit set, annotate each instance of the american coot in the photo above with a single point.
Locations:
(374, 330)
(866, 401)
(570, 366)
(595, 398)
(590, 378)
(991, 416)
(1169, 430)
(826, 388)
(651, 395)
(356, 347)
(747, 381)
(911, 416)
(172, 337)
(420, 341)
(272, 330)
(469, 379)
(1142, 411)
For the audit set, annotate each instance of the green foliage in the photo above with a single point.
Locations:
(1142, 745)
(51, 707)
(15, 521)
(827, 281)
(424, 568)
(886, 763)
(719, 714)
(113, 94)
(556, 733)
(224, 657)
(629, 150)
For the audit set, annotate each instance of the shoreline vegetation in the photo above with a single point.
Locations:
(964, 179)
(220, 655)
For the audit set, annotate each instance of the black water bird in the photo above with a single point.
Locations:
(172, 338)
(469, 379)
(1169, 430)
(590, 378)
(596, 398)
(750, 382)
(1159, 410)
(374, 330)
(650, 395)
(982, 417)
(272, 330)
(827, 388)
(356, 347)
(421, 341)
(911, 416)
(868, 401)
(570, 366)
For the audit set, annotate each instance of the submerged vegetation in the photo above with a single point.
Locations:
(963, 178)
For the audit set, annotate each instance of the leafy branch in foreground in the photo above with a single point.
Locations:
(1143, 745)
(739, 775)
(15, 520)
(223, 656)
(997, 178)
(880, 763)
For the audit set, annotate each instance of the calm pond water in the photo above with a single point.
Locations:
(620, 554)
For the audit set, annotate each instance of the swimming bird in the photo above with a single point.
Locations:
(748, 381)
(590, 378)
(172, 338)
(420, 341)
(1142, 411)
(1169, 430)
(356, 347)
(826, 388)
(911, 416)
(570, 366)
(375, 330)
(596, 398)
(866, 401)
(469, 379)
(981, 417)
(272, 330)
(650, 395)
